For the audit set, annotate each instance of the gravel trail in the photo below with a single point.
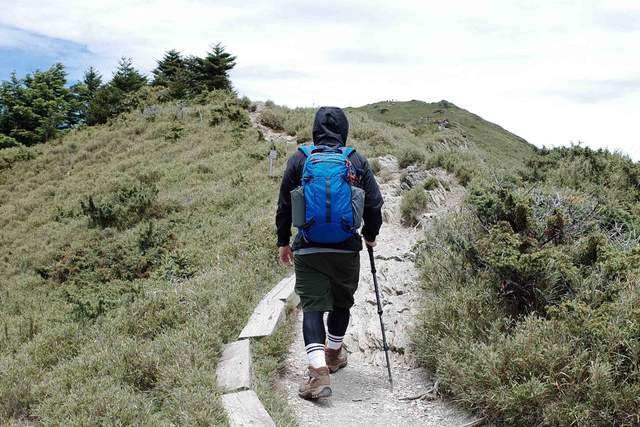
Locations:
(361, 393)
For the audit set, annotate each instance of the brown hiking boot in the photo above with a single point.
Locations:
(317, 385)
(336, 359)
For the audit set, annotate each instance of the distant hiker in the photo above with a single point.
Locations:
(327, 191)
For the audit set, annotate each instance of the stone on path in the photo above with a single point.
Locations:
(244, 409)
(265, 319)
(234, 368)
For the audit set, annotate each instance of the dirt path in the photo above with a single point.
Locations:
(267, 133)
(361, 393)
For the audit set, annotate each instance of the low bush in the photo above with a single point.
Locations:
(410, 156)
(375, 165)
(10, 156)
(245, 103)
(126, 204)
(412, 205)
(8, 142)
(174, 133)
(431, 183)
(464, 164)
(109, 257)
(532, 316)
(229, 112)
(273, 119)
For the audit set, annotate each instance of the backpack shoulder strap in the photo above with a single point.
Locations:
(306, 149)
(347, 151)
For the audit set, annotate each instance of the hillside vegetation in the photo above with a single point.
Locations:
(532, 313)
(495, 145)
(532, 291)
(130, 253)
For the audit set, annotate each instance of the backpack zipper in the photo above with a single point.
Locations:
(328, 190)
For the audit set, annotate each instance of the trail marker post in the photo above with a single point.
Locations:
(273, 154)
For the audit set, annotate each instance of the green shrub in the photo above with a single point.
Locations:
(375, 166)
(174, 133)
(532, 304)
(229, 112)
(107, 258)
(303, 135)
(126, 204)
(91, 300)
(463, 164)
(10, 156)
(8, 142)
(412, 205)
(176, 266)
(245, 103)
(272, 119)
(431, 183)
(410, 156)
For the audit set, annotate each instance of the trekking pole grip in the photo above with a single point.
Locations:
(373, 264)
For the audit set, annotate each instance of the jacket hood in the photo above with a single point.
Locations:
(330, 127)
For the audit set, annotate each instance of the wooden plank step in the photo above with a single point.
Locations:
(245, 409)
(285, 291)
(234, 368)
(265, 319)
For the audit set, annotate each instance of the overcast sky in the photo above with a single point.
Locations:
(552, 72)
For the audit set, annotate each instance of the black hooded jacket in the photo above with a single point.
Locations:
(330, 127)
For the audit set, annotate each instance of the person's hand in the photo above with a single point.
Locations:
(285, 256)
(372, 244)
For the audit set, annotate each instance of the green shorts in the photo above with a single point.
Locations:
(327, 281)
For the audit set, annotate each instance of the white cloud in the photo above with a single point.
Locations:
(552, 72)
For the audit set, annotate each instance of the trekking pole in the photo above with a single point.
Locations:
(384, 337)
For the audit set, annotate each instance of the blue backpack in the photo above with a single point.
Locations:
(327, 207)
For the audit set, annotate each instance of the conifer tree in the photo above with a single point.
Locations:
(106, 103)
(169, 68)
(212, 70)
(126, 78)
(34, 109)
(92, 81)
(82, 94)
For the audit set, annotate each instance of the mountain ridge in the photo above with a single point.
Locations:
(499, 143)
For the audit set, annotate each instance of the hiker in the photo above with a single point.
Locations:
(327, 191)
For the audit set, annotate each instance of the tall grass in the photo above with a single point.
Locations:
(129, 258)
(532, 311)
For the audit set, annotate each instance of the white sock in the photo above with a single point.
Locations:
(315, 355)
(334, 342)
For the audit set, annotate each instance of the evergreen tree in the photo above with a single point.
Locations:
(169, 68)
(193, 77)
(106, 103)
(212, 70)
(92, 81)
(10, 92)
(82, 94)
(34, 109)
(127, 78)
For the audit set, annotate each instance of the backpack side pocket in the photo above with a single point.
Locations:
(357, 203)
(298, 209)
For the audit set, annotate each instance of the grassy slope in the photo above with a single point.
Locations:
(102, 348)
(496, 145)
(148, 357)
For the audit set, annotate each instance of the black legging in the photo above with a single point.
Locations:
(313, 326)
